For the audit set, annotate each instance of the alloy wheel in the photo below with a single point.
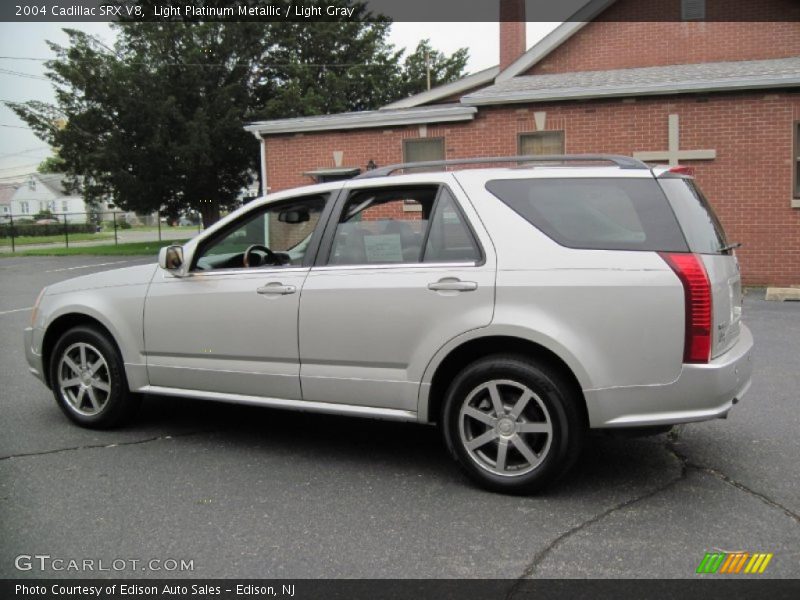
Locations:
(84, 379)
(505, 427)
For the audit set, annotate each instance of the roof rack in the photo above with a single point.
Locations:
(623, 162)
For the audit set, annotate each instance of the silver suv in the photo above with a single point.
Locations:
(515, 307)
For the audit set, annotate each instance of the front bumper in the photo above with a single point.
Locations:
(701, 392)
(33, 352)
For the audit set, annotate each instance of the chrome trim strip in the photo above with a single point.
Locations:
(251, 271)
(416, 265)
(390, 414)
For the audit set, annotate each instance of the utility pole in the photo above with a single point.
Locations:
(428, 67)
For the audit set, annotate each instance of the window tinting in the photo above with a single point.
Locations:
(285, 228)
(595, 213)
(383, 226)
(449, 240)
(700, 225)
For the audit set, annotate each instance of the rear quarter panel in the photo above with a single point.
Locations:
(619, 314)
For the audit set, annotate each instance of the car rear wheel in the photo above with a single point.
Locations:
(512, 425)
(88, 379)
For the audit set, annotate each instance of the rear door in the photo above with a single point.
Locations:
(706, 237)
(401, 272)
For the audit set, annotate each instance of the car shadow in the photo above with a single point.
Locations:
(401, 448)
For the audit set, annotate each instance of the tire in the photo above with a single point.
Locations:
(540, 424)
(88, 380)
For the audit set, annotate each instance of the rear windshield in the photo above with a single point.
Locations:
(595, 213)
(700, 225)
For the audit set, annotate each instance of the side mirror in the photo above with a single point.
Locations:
(170, 258)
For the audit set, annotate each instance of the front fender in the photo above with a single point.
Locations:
(119, 309)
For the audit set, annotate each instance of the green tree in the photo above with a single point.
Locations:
(156, 121)
(424, 60)
(52, 164)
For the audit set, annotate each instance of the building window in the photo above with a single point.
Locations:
(541, 143)
(24, 208)
(796, 161)
(693, 10)
(64, 206)
(423, 149)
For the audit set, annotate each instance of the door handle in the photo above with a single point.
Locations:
(451, 284)
(277, 289)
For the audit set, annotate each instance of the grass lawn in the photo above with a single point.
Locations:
(132, 249)
(166, 230)
(56, 239)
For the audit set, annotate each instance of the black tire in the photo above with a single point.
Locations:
(554, 401)
(101, 409)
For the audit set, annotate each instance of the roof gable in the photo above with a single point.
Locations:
(555, 38)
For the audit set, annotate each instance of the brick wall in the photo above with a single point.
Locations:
(623, 43)
(749, 183)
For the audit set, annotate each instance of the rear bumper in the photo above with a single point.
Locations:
(701, 392)
(33, 352)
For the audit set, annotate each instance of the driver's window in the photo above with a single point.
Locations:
(277, 235)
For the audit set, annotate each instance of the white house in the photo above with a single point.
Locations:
(45, 192)
(6, 192)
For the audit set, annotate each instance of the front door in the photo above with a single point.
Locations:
(230, 325)
(405, 274)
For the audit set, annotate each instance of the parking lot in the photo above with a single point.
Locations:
(248, 492)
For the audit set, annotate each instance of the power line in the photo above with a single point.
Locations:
(19, 177)
(15, 126)
(28, 151)
(23, 58)
(21, 74)
(224, 64)
(19, 167)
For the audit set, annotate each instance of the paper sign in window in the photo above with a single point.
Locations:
(383, 248)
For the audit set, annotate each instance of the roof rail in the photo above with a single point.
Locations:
(623, 162)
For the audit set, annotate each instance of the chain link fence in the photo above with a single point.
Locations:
(75, 229)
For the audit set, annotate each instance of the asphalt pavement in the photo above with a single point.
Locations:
(249, 492)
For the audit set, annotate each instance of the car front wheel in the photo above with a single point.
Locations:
(513, 425)
(88, 379)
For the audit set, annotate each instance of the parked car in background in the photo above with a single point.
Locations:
(516, 308)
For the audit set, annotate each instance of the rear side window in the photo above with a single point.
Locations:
(700, 224)
(595, 213)
(449, 239)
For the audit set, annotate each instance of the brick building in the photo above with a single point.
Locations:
(720, 97)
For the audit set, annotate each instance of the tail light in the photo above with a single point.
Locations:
(682, 170)
(697, 295)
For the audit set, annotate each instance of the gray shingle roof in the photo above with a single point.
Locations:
(671, 79)
(6, 191)
(54, 182)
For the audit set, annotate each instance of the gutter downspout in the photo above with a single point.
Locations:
(263, 144)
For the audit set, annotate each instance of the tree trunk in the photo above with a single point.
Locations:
(210, 211)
